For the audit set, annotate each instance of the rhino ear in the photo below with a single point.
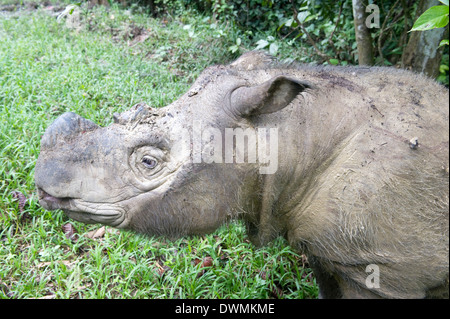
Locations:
(271, 96)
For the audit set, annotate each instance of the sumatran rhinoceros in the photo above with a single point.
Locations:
(350, 165)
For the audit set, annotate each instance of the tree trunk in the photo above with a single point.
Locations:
(422, 54)
(363, 37)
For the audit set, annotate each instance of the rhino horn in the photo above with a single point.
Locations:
(67, 125)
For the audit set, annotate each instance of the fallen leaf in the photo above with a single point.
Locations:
(97, 233)
(70, 232)
(22, 199)
(196, 261)
(207, 262)
(138, 39)
(161, 269)
(43, 264)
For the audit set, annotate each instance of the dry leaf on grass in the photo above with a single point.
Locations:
(22, 199)
(138, 39)
(96, 233)
(205, 262)
(160, 270)
(70, 232)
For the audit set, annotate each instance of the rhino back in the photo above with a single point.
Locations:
(364, 176)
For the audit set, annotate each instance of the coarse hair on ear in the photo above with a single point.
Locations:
(268, 97)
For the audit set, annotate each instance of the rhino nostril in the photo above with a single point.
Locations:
(51, 202)
(43, 195)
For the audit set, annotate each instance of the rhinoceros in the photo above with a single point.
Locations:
(350, 165)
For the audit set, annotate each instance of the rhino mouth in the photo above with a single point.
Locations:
(51, 202)
(86, 212)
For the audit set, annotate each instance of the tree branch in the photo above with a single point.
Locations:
(308, 36)
(383, 29)
(330, 41)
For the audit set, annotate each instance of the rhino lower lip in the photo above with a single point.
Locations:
(78, 210)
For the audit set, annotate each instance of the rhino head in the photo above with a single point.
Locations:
(167, 171)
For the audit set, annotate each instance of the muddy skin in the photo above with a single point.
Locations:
(359, 176)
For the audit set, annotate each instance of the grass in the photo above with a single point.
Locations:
(98, 69)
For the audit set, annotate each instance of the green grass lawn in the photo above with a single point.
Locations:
(111, 60)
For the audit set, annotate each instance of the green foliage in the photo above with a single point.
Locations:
(310, 31)
(444, 70)
(434, 17)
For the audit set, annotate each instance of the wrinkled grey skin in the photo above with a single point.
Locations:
(362, 175)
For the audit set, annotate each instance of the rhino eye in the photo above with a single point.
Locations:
(149, 162)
